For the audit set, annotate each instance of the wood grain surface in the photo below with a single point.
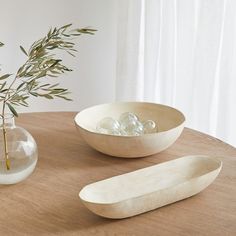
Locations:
(47, 202)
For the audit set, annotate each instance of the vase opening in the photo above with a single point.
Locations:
(8, 120)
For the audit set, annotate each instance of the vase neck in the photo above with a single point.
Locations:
(8, 120)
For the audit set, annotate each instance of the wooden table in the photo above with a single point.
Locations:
(47, 202)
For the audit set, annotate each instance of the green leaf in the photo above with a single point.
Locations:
(94, 30)
(86, 31)
(54, 31)
(34, 94)
(44, 85)
(20, 86)
(1, 44)
(49, 33)
(66, 26)
(66, 35)
(55, 63)
(54, 76)
(54, 85)
(73, 55)
(23, 50)
(5, 76)
(12, 109)
(63, 97)
(2, 86)
(24, 98)
(41, 74)
(23, 104)
(48, 96)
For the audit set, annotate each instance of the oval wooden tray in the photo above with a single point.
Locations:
(149, 188)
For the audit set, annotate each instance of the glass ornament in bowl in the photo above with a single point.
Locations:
(132, 127)
(128, 124)
(108, 125)
(149, 126)
(21, 151)
(127, 117)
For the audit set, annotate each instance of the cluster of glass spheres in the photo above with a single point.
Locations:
(128, 124)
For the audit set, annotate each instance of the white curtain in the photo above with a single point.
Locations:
(181, 53)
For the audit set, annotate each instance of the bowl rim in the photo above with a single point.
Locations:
(130, 102)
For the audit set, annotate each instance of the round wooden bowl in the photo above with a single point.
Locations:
(170, 123)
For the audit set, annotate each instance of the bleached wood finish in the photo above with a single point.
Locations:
(149, 188)
(170, 123)
(47, 202)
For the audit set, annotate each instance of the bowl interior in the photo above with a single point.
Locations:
(165, 117)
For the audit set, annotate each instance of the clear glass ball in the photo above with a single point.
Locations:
(127, 117)
(127, 125)
(139, 129)
(116, 132)
(123, 133)
(108, 125)
(149, 126)
(132, 127)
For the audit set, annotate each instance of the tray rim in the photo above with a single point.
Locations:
(218, 169)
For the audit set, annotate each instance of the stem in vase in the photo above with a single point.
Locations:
(6, 153)
(4, 131)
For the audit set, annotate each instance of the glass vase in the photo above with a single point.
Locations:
(18, 152)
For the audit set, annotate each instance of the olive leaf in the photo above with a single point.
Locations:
(12, 109)
(23, 50)
(5, 76)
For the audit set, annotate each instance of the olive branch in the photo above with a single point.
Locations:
(41, 62)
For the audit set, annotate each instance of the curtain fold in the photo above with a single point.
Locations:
(181, 53)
